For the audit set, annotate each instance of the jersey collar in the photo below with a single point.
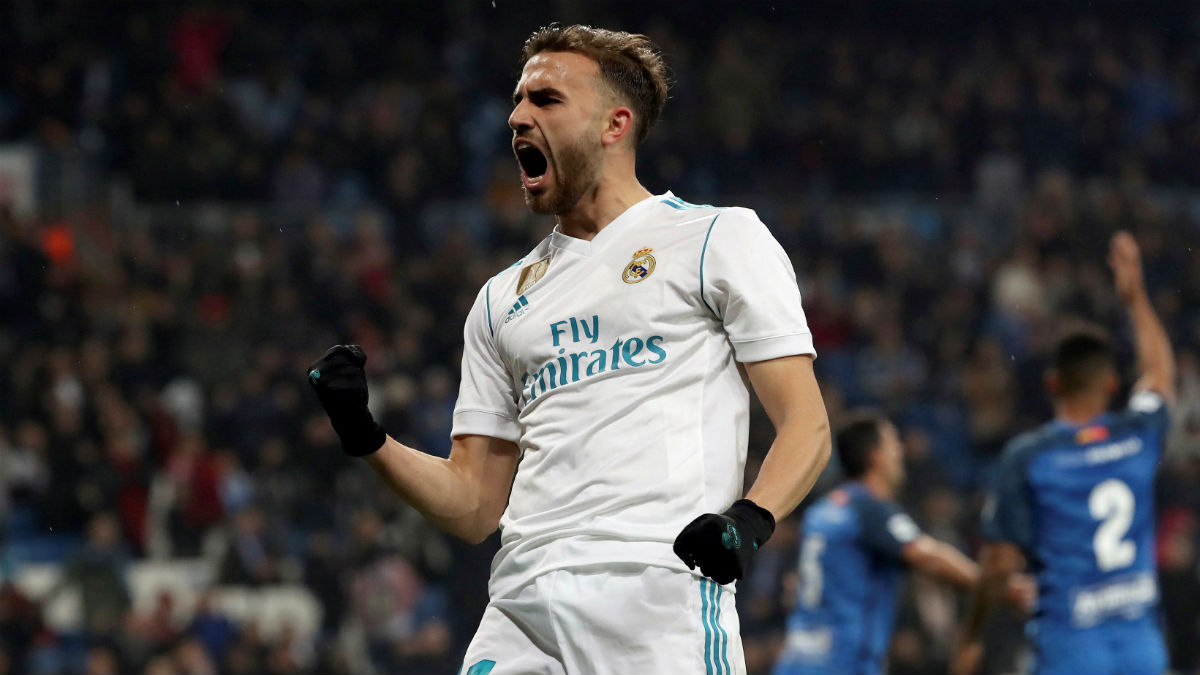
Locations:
(585, 248)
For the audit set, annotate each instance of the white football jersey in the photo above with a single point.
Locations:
(613, 364)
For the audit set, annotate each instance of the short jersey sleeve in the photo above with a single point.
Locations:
(747, 281)
(487, 399)
(1149, 408)
(884, 528)
(1008, 510)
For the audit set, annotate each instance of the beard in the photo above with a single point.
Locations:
(576, 170)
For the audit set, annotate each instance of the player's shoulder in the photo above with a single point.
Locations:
(833, 508)
(706, 215)
(1025, 447)
(1147, 408)
(868, 505)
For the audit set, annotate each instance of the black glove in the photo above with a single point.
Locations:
(723, 544)
(341, 384)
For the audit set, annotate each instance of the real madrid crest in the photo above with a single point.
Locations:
(641, 267)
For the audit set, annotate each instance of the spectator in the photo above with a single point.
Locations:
(98, 572)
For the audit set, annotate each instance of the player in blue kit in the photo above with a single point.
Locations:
(856, 545)
(1074, 501)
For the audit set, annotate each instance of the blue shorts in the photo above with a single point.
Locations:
(1121, 648)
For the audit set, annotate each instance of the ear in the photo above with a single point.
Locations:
(618, 125)
(1051, 381)
(1112, 383)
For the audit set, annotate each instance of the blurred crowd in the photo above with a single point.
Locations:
(946, 181)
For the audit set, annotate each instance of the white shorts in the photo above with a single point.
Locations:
(627, 620)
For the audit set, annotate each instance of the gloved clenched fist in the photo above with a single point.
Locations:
(341, 384)
(721, 545)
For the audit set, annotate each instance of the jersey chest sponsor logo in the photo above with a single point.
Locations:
(641, 267)
(581, 356)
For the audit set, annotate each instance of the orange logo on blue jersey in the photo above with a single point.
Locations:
(1089, 435)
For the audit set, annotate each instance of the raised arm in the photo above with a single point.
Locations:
(1156, 360)
(789, 393)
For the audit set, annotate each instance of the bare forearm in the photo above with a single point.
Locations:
(1156, 359)
(796, 458)
(951, 565)
(434, 486)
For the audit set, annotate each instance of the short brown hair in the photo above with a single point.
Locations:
(859, 435)
(629, 63)
(1081, 357)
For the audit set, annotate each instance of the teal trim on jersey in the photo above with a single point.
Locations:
(709, 667)
(724, 635)
(703, 251)
(679, 204)
(482, 668)
(487, 296)
(487, 300)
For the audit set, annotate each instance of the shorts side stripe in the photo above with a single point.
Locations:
(724, 635)
(708, 660)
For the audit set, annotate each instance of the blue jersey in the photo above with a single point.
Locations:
(850, 570)
(1079, 501)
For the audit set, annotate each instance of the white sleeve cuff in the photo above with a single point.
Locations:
(484, 423)
(1146, 401)
(763, 349)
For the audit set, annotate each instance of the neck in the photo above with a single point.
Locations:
(1080, 410)
(609, 198)
(878, 485)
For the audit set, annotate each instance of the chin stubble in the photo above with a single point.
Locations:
(575, 172)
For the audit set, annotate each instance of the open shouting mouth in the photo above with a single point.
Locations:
(534, 165)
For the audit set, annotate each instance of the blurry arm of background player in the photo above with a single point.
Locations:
(1156, 361)
(789, 393)
(999, 563)
(942, 560)
(465, 495)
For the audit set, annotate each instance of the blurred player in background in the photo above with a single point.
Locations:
(1075, 501)
(856, 543)
(602, 416)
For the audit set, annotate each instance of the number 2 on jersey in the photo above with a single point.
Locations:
(811, 575)
(1112, 503)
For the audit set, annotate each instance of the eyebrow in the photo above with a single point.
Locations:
(542, 92)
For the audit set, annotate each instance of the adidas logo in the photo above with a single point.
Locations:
(518, 309)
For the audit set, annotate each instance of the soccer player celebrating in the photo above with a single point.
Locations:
(602, 418)
(855, 545)
(1075, 499)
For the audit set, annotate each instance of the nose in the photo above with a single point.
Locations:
(520, 120)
